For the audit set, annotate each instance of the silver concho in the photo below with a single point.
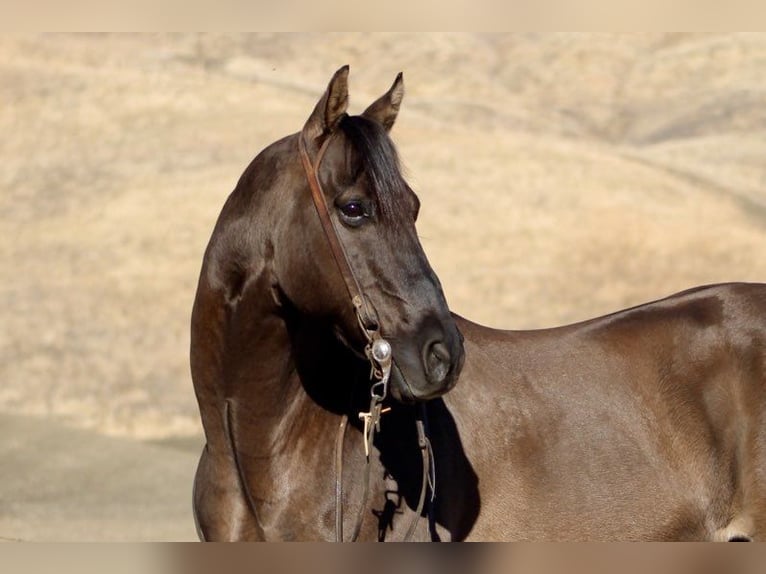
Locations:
(381, 351)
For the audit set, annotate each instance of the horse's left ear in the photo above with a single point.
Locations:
(385, 109)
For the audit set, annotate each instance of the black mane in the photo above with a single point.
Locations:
(381, 164)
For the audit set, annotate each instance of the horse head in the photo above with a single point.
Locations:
(372, 211)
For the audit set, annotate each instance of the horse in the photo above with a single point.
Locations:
(645, 424)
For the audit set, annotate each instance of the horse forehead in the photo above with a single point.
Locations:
(341, 158)
(341, 165)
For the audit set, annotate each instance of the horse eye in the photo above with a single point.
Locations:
(353, 210)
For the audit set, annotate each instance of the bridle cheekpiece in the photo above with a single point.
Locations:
(377, 350)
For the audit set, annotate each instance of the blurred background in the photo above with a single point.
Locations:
(561, 176)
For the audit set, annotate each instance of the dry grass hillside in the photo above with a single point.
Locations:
(561, 177)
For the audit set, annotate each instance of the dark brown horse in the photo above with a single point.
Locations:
(648, 424)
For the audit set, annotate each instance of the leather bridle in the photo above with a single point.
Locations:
(366, 322)
(378, 352)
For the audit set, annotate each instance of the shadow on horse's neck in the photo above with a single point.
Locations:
(331, 375)
(338, 381)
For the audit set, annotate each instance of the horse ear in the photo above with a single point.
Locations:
(330, 108)
(385, 109)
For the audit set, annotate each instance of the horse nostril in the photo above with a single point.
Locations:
(437, 361)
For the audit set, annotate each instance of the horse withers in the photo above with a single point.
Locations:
(647, 424)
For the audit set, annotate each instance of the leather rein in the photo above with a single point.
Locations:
(379, 354)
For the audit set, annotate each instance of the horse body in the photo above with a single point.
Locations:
(645, 424)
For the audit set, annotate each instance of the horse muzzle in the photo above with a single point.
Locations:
(427, 364)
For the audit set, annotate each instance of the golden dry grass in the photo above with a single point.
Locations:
(561, 177)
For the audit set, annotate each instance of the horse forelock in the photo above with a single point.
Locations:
(380, 162)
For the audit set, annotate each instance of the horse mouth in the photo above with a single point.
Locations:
(402, 391)
(399, 388)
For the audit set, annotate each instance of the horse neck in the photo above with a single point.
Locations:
(257, 365)
(283, 366)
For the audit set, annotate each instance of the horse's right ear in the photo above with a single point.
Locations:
(329, 110)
